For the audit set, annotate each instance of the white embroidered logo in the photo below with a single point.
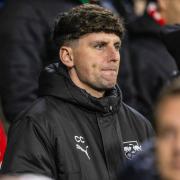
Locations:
(131, 148)
(81, 141)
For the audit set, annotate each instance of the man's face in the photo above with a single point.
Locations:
(96, 61)
(168, 140)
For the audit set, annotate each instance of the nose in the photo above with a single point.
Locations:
(113, 54)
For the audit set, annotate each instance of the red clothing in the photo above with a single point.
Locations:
(3, 141)
(152, 11)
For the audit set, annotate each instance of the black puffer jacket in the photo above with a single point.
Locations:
(69, 135)
(152, 65)
(25, 49)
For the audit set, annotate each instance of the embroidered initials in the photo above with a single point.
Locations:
(80, 140)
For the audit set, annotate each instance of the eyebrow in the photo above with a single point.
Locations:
(118, 42)
(98, 41)
(103, 41)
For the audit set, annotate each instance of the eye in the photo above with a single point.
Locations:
(117, 46)
(100, 46)
(167, 134)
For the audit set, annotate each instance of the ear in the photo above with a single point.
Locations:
(66, 56)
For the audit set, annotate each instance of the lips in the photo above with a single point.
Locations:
(109, 74)
(110, 69)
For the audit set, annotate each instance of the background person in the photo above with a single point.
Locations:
(162, 156)
(152, 64)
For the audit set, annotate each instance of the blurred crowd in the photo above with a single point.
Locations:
(149, 59)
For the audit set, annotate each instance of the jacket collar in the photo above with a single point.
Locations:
(55, 81)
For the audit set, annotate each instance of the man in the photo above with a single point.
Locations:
(152, 64)
(168, 140)
(79, 128)
(25, 50)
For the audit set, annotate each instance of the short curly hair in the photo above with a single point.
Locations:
(84, 19)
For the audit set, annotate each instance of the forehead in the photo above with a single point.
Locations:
(168, 112)
(100, 36)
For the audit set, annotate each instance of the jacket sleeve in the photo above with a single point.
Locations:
(30, 149)
(22, 53)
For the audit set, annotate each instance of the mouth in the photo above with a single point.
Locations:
(109, 74)
(110, 69)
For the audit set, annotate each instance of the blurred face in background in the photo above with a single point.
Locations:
(168, 139)
(139, 7)
(170, 10)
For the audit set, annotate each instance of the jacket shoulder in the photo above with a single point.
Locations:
(39, 111)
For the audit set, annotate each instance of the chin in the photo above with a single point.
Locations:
(104, 88)
(110, 85)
